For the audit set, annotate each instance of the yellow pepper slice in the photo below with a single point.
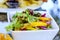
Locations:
(28, 27)
(31, 28)
(45, 19)
(38, 24)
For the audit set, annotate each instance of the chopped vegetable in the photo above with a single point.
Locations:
(38, 24)
(43, 15)
(29, 20)
(45, 19)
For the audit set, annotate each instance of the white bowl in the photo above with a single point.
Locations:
(39, 34)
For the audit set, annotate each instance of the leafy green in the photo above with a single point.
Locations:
(17, 21)
(9, 27)
(15, 24)
(30, 17)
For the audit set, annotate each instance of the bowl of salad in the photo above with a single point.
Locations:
(32, 25)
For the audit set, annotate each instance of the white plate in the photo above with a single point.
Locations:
(33, 7)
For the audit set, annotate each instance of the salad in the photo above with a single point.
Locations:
(29, 20)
